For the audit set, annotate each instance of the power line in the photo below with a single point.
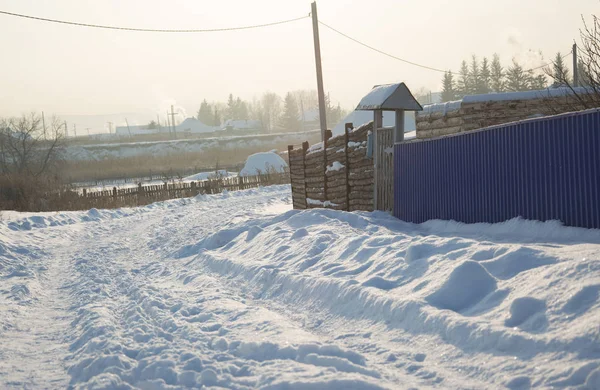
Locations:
(411, 62)
(150, 29)
(382, 52)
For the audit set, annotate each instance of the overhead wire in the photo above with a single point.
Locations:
(237, 28)
(411, 62)
(107, 27)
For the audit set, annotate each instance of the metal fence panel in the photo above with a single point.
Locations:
(539, 169)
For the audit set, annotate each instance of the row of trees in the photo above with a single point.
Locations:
(273, 111)
(491, 76)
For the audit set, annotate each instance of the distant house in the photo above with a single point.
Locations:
(194, 126)
(240, 124)
(310, 119)
(126, 131)
(188, 126)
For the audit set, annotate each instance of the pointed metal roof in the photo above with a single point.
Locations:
(389, 97)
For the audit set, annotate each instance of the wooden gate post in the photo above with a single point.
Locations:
(304, 150)
(347, 128)
(377, 124)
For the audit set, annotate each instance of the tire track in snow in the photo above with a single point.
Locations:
(144, 320)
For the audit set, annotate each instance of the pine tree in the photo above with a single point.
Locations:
(290, 120)
(516, 78)
(583, 75)
(537, 82)
(497, 75)
(464, 84)
(560, 73)
(216, 118)
(485, 77)
(448, 91)
(231, 112)
(475, 77)
(205, 113)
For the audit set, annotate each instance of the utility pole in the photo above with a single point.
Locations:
(74, 130)
(158, 123)
(320, 90)
(173, 122)
(44, 125)
(168, 122)
(110, 127)
(66, 130)
(575, 70)
(128, 129)
(88, 131)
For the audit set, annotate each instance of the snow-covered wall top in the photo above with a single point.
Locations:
(523, 95)
(440, 107)
(498, 97)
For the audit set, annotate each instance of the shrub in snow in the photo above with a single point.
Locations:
(262, 163)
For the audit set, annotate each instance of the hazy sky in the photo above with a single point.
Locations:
(75, 70)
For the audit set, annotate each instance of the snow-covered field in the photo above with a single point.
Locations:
(239, 291)
(97, 152)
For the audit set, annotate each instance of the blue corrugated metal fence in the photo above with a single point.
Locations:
(540, 169)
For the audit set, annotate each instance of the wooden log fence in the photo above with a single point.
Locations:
(337, 174)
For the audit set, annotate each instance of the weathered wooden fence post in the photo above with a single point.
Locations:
(304, 151)
(347, 128)
(325, 141)
(140, 195)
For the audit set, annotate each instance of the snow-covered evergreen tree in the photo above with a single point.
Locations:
(463, 85)
(560, 73)
(474, 76)
(516, 78)
(448, 88)
(485, 77)
(290, 119)
(497, 82)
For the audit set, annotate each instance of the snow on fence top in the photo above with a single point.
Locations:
(389, 97)
(440, 107)
(524, 95)
(456, 105)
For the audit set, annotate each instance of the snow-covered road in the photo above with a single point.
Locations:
(239, 291)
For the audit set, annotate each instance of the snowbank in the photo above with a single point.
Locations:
(238, 291)
(262, 163)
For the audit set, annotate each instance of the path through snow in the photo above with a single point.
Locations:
(238, 291)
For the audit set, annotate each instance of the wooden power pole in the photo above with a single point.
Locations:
(320, 90)
(575, 70)
(173, 122)
(44, 125)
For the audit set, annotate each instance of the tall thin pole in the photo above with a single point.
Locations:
(110, 127)
(66, 130)
(173, 122)
(44, 125)
(158, 123)
(168, 122)
(575, 70)
(320, 90)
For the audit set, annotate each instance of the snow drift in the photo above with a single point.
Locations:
(262, 163)
(238, 291)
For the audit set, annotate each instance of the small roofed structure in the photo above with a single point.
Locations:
(390, 97)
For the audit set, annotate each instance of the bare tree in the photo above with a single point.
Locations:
(29, 156)
(271, 104)
(589, 69)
